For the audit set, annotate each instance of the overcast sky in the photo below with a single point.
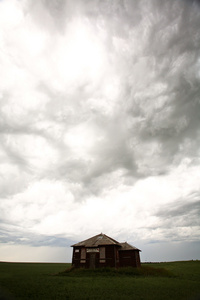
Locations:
(99, 126)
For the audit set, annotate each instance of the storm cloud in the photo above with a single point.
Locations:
(99, 121)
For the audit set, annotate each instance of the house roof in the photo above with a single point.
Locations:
(126, 246)
(103, 239)
(97, 240)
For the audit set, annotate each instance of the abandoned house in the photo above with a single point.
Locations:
(103, 251)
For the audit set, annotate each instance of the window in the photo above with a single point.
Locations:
(83, 255)
(102, 254)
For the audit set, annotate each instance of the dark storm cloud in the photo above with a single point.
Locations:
(96, 99)
(33, 239)
(180, 220)
(180, 213)
(159, 82)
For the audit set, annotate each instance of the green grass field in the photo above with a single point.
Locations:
(174, 280)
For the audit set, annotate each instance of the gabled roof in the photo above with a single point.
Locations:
(97, 240)
(126, 246)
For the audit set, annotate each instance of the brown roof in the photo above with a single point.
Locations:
(126, 246)
(97, 240)
(102, 239)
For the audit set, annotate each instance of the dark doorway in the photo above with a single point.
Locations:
(92, 260)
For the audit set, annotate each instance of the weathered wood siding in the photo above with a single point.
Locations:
(129, 258)
(105, 256)
(111, 258)
(138, 263)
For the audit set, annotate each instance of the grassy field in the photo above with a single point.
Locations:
(174, 280)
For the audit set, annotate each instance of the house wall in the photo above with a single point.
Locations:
(138, 263)
(111, 257)
(86, 258)
(104, 256)
(129, 258)
(76, 257)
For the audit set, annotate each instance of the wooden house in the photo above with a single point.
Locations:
(103, 251)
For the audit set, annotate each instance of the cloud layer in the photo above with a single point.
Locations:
(99, 120)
